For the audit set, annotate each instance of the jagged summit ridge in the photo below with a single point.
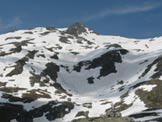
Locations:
(76, 29)
(54, 74)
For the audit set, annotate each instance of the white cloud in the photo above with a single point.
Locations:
(120, 11)
(16, 21)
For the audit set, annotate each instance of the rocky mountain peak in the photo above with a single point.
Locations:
(76, 29)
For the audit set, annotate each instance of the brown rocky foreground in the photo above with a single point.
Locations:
(105, 119)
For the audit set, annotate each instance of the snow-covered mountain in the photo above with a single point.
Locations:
(52, 74)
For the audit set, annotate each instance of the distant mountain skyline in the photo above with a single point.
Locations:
(128, 18)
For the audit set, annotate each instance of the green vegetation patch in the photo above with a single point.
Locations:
(36, 94)
(11, 89)
(151, 99)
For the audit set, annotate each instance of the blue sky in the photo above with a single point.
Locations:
(129, 18)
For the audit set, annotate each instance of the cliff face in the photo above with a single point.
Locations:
(53, 74)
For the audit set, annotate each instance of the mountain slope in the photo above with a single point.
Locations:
(51, 74)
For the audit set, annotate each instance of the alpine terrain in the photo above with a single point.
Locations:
(50, 74)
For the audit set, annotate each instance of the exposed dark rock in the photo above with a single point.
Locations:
(28, 32)
(120, 106)
(37, 79)
(140, 115)
(57, 47)
(52, 110)
(17, 37)
(143, 62)
(2, 53)
(82, 113)
(106, 61)
(45, 33)
(18, 67)
(50, 28)
(155, 120)
(105, 102)
(66, 68)
(60, 89)
(18, 47)
(11, 89)
(31, 54)
(87, 105)
(78, 67)
(158, 69)
(87, 47)
(28, 97)
(64, 40)
(26, 42)
(25, 117)
(120, 82)
(55, 56)
(113, 113)
(41, 55)
(121, 88)
(76, 29)
(112, 45)
(80, 40)
(12, 98)
(104, 119)
(137, 85)
(152, 39)
(9, 112)
(36, 94)
(20, 64)
(51, 49)
(51, 70)
(3, 84)
(123, 51)
(90, 80)
(75, 53)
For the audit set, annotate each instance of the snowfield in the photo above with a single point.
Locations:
(78, 66)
